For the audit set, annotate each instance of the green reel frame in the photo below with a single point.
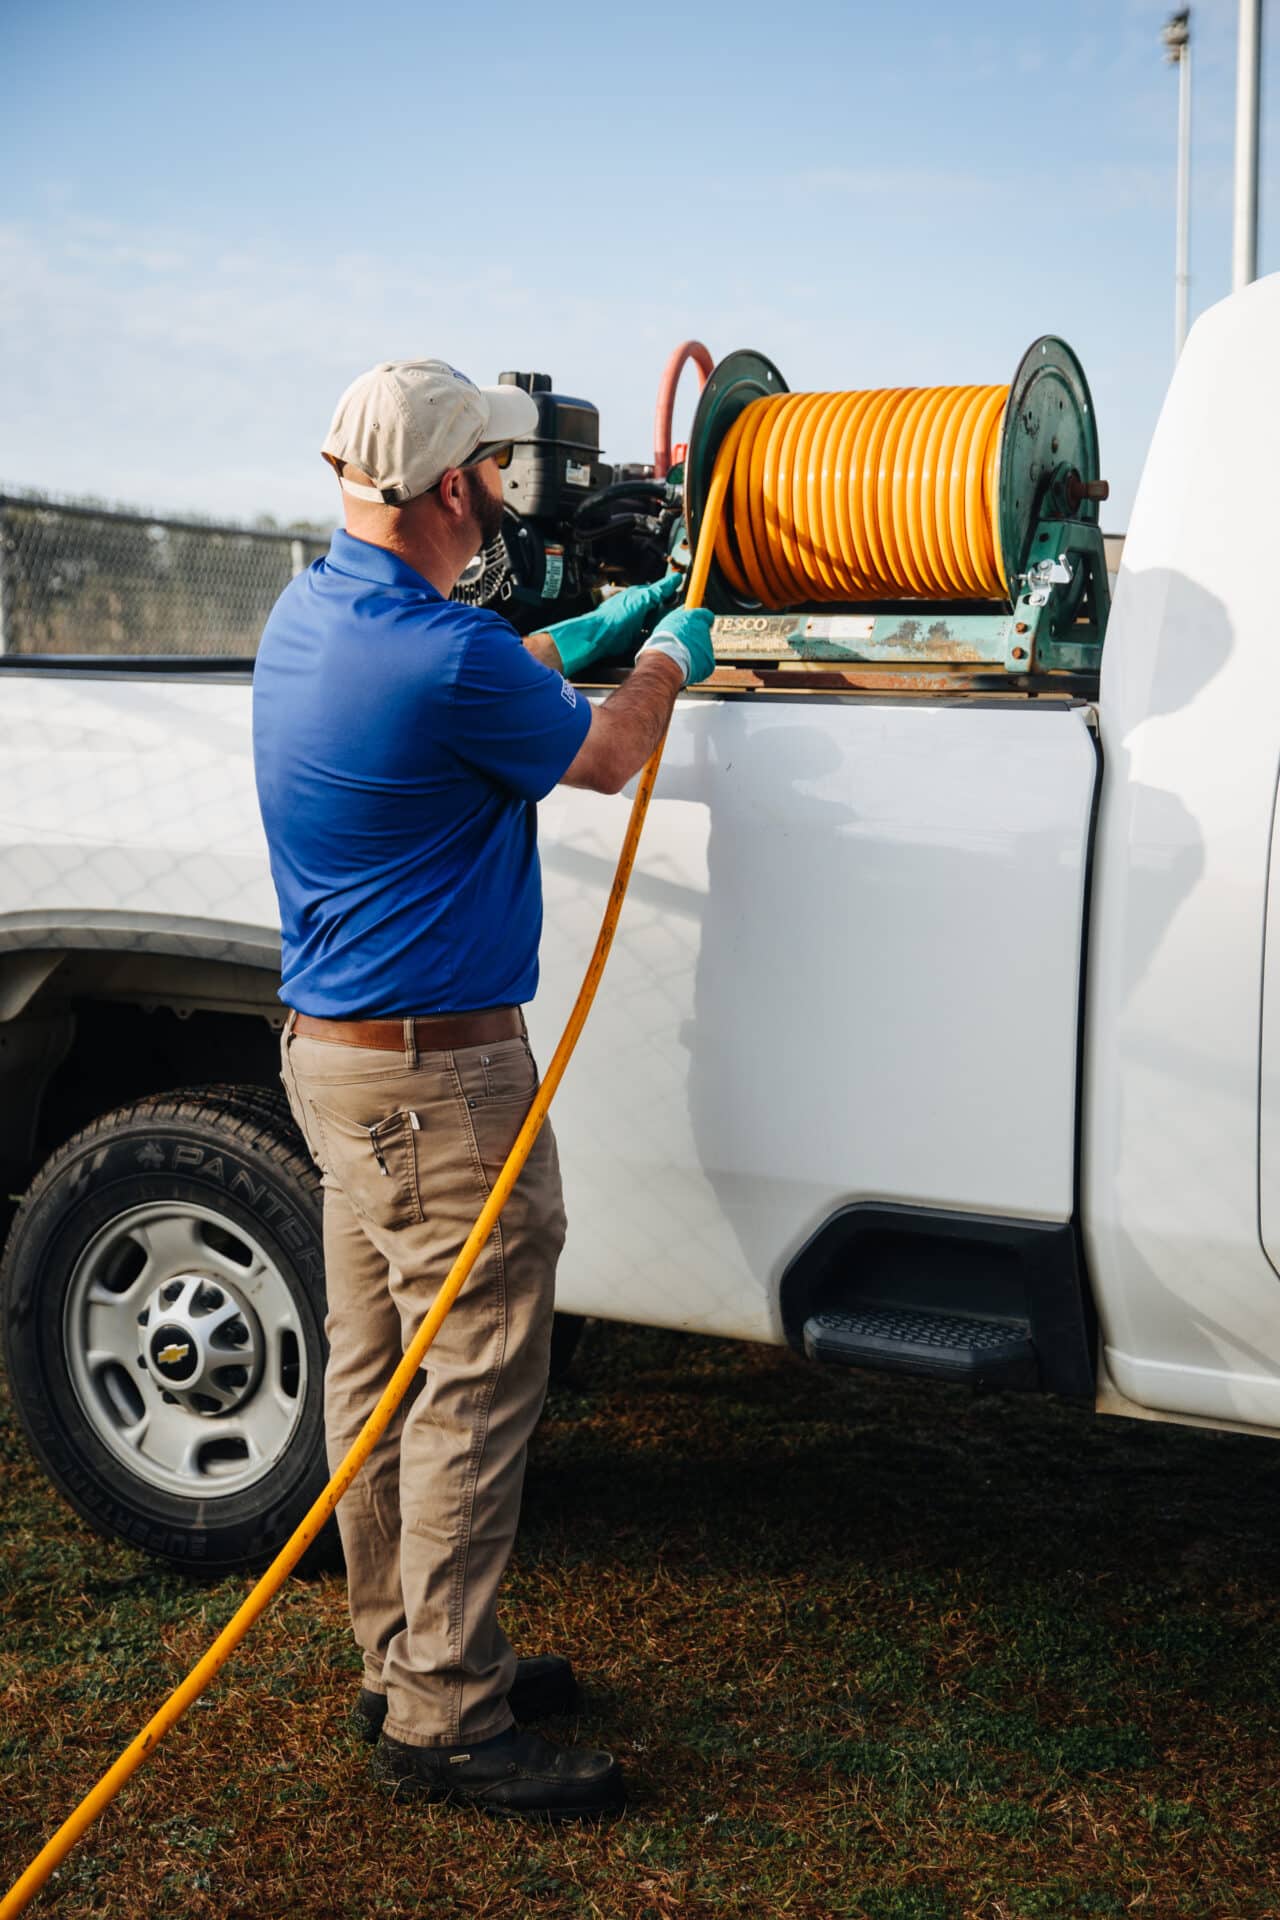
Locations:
(1049, 486)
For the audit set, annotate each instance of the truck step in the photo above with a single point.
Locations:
(943, 1346)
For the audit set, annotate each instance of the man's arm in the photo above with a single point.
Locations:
(626, 727)
(544, 649)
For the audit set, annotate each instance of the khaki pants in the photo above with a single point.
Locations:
(409, 1145)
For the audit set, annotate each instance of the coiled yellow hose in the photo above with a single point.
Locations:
(889, 494)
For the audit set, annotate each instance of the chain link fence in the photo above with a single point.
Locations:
(76, 578)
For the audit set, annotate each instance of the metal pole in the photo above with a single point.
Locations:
(1177, 40)
(4, 534)
(1182, 269)
(1244, 253)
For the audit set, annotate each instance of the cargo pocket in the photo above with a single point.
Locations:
(376, 1166)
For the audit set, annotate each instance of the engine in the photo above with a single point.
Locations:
(572, 524)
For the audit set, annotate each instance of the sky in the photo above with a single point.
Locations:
(213, 218)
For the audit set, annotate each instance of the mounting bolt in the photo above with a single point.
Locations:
(1020, 626)
(1019, 653)
(1078, 490)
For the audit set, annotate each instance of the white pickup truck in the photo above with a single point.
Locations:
(942, 1032)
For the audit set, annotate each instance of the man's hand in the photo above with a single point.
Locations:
(612, 627)
(684, 635)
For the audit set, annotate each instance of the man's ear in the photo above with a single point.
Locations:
(452, 489)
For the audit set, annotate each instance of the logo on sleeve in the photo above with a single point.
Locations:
(567, 694)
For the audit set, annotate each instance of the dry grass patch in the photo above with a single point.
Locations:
(867, 1649)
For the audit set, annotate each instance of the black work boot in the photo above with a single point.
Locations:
(515, 1773)
(544, 1684)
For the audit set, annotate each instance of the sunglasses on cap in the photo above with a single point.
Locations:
(500, 451)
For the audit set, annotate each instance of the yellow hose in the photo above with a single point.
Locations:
(858, 497)
(261, 1595)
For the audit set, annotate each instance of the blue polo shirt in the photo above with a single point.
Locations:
(401, 742)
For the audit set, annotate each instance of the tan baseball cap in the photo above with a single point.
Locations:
(406, 422)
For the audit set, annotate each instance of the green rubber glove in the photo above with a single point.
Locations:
(615, 624)
(684, 635)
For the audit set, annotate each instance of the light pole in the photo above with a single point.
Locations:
(1177, 40)
(1244, 251)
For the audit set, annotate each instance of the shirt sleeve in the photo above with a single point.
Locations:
(512, 719)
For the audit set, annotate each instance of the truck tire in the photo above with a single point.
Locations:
(162, 1298)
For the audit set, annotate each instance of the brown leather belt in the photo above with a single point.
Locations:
(431, 1031)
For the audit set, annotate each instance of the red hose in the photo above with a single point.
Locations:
(687, 350)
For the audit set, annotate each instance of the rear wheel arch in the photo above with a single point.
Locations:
(86, 1030)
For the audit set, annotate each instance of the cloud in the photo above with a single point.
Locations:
(157, 369)
(896, 186)
(154, 368)
(152, 365)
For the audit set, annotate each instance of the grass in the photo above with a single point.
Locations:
(869, 1650)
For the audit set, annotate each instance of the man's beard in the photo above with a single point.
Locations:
(485, 510)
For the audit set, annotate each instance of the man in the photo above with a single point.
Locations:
(401, 743)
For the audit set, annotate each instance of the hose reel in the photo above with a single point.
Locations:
(945, 526)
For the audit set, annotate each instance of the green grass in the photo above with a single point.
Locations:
(867, 1648)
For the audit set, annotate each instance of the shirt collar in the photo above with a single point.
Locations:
(367, 562)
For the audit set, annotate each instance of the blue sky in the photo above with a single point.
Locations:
(214, 217)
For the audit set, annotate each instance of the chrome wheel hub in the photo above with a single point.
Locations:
(185, 1349)
(201, 1343)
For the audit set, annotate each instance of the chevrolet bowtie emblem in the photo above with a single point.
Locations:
(170, 1356)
